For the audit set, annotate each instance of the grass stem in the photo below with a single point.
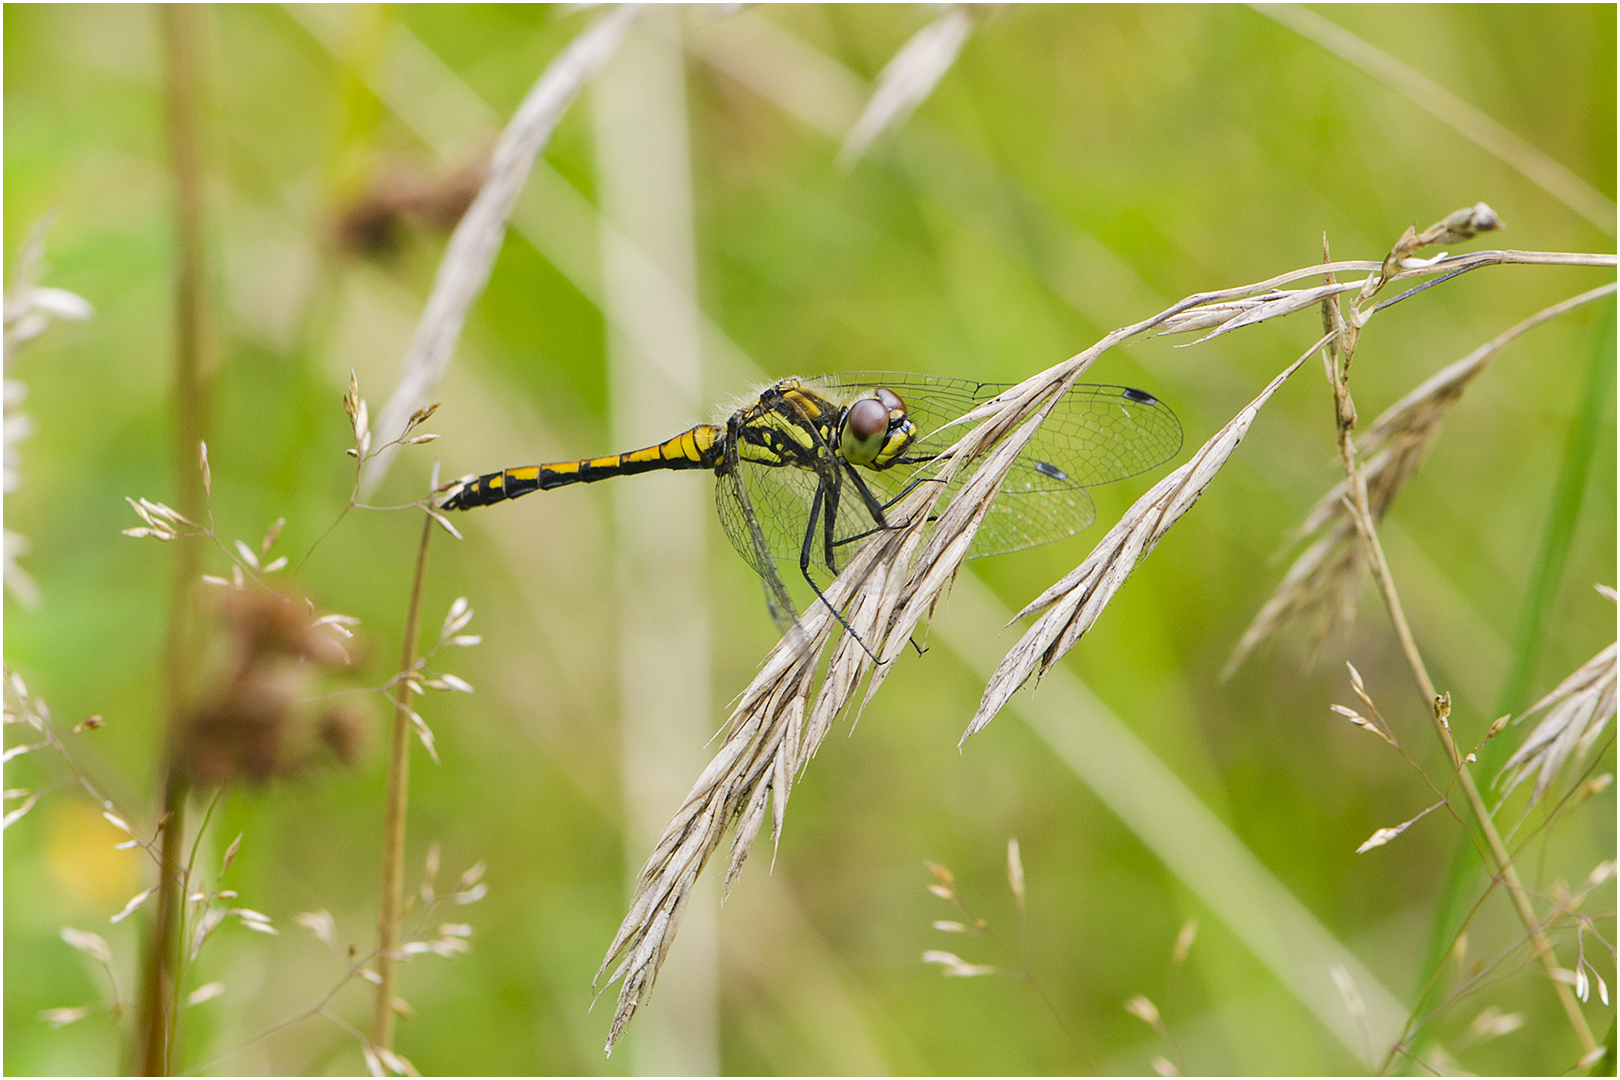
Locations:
(183, 29)
(393, 862)
(1547, 573)
(1439, 709)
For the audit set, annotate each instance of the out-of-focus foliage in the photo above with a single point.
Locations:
(1077, 169)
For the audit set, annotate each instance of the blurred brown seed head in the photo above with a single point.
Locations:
(249, 722)
(402, 195)
(342, 731)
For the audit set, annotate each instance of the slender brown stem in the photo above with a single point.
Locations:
(1508, 875)
(399, 765)
(163, 950)
(183, 29)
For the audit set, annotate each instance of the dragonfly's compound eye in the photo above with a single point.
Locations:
(866, 427)
(890, 399)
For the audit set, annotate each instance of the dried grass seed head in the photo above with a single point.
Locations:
(1578, 711)
(1143, 1009)
(1321, 586)
(401, 194)
(1184, 942)
(1072, 606)
(248, 723)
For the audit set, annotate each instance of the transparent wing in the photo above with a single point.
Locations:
(1095, 434)
(756, 520)
(781, 499)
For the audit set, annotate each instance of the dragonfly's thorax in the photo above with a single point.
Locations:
(794, 425)
(790, 425)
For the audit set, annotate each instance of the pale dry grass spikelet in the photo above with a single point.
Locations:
(954, 967)
(1493, 1023)
(1380, 837)
(29, 309)
(1578, 711)
(1015, 873)
(1184, 942)
(1322, 584)
(1374, 723)
(1144, 1010)
(1236, 314)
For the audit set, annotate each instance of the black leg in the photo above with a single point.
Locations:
(810, 538)
(816, 511)
(829, 521)
(873, 506)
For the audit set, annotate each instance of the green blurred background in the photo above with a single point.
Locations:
(1078, 169)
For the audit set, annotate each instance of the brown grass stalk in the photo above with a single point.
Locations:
(1324, 579)
(183, 30)
(1344, 333)
(392, 905)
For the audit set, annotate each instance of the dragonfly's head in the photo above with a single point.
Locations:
(876, 430)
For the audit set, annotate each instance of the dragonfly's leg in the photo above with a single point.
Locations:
(810, 537)
(877, 508)
(911, 485)
(829, 521)
(873, 506)
(816, 508)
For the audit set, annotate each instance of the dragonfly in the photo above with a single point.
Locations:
(812, 466)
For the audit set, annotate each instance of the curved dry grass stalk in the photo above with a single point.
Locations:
(888, 588)
(908, 79)
(1324, 581)
(464, 270)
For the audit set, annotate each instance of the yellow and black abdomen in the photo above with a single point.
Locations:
(694, 449)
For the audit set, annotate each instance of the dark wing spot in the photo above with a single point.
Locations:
(1048, 469)
(1140, 395)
